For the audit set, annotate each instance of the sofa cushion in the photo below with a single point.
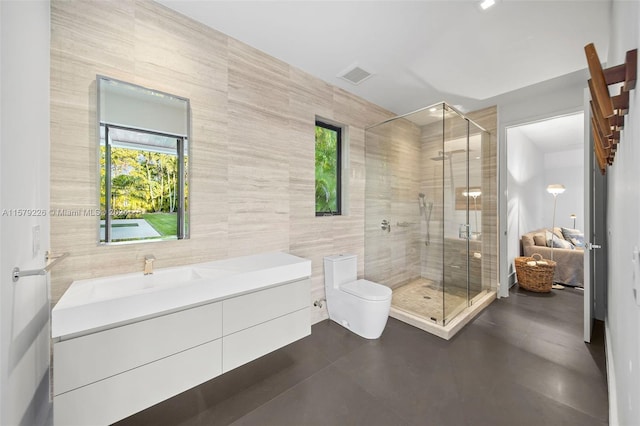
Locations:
(555, 242)
(575, 236)
(540, 239)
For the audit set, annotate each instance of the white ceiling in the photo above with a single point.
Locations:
(557, 134)
(421, 52)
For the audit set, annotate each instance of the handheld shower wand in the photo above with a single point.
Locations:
(425, 210)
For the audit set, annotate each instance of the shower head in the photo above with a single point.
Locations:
(421, 195)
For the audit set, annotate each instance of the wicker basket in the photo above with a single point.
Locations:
(538, 277)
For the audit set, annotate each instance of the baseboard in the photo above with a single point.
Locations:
(512, 279)
(611, 378)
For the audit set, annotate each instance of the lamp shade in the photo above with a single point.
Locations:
(555, 189)
(472, 194)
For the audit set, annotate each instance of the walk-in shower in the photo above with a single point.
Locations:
(435, 259)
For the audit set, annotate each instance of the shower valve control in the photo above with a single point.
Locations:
(385, 225)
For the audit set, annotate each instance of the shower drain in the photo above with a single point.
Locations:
(427, 297)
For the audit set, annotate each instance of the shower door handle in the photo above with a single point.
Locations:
(385, 225)
(463, 231)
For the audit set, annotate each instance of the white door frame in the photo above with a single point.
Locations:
(588, 203)
(596, 262)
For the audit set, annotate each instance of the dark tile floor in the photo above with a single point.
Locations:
(521, 362)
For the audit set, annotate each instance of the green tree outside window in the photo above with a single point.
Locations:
(328, 141)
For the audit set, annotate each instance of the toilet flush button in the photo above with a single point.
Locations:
(345, 323)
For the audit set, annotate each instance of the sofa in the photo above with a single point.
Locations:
(569, 261)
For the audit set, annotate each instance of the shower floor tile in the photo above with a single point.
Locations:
(424, 298)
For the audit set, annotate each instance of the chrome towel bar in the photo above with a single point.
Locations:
(52, 261)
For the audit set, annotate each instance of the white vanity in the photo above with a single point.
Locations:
(127, 342)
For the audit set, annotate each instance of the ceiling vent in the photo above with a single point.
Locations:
(354, 74)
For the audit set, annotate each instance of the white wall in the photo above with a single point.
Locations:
(623, 226)
(566, 168)
(525, 182)
(24, 181)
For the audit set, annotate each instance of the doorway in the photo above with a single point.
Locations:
(539, 154)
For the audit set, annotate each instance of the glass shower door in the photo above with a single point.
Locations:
(378, 226)
(457, 229)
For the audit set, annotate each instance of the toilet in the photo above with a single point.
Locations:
(359, 305)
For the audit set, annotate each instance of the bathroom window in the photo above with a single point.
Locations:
(328, 167)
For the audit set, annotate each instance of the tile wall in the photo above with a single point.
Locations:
(252, 142)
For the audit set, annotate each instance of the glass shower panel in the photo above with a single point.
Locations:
(377, 250)
(477, 137)
(456, 214)
(431, 208)
(392, 217)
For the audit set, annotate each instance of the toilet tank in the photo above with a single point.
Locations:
(340, 269)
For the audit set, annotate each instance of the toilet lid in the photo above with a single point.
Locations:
(367, 290)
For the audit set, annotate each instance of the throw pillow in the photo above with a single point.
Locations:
(555, 242)
(574, 235)
(558, 232)
(539, 240)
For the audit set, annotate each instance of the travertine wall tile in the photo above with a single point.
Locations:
(251, 148)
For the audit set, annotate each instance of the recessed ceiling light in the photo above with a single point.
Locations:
(433, 109)
(486, 4)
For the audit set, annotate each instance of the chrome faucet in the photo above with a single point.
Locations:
(148, 264)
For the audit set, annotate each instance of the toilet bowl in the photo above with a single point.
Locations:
(359, 305)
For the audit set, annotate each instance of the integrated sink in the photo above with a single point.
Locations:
(100, 303)
(104, 288)
(209, 273)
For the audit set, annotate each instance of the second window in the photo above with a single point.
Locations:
(328, 165)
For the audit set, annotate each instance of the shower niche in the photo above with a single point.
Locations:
(426, 202)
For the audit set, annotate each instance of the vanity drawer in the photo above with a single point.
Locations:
(254, 308)
(93, 357)
(251, 343)
(122, 395)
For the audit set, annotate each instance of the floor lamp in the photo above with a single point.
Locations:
(555, 190)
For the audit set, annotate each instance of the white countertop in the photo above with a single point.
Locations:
(101, 303)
